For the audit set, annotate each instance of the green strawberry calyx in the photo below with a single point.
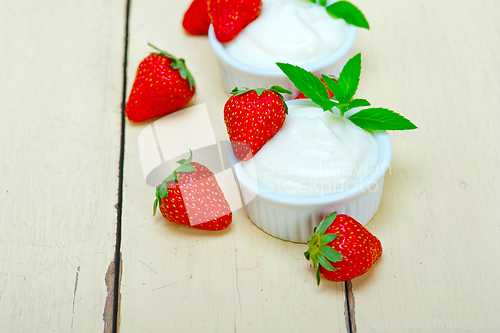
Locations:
(178, 64)
(162, 189)
(276, 89)
(346, 11)
(344, 90)
(320, 253)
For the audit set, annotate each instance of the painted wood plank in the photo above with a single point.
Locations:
(436, 63)
(186, 280)
(61, 74)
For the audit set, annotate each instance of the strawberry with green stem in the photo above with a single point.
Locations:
(341, 249)
(162, 85)
(192, 197)
(344, 91)
(253, 117)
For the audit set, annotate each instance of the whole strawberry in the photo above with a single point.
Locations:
(192, 197)
(196, 19)
(229, 17)
(252, 117)
(330, 94)
(162, 85)
(342, 249)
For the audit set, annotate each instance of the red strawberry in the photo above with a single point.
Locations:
(196, 20)
(162, 85)
(192, 197)
(342, 249)
(330, 94)
(252, 117)
(229, 17)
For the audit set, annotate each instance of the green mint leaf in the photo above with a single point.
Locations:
(342, 109)
(349, 13)
(358, 102)
(325, 263)
(308, 83)
(334, 88)
(349, 78)
(381, 119)
(331, 254)
(322, 3)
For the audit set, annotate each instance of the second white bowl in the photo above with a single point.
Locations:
(234, 73)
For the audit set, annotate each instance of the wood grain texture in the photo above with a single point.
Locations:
(437, 64)
(179, 279)
(60, 95)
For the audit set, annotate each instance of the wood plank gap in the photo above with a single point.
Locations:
(349, 308)
(118, 259)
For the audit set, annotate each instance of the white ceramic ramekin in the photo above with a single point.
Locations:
(294, 218)
(237, 74)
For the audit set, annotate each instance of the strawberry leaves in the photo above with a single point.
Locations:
(162, 189)
(344, 91)
(277, 89)
(178, 64)
(319, 252)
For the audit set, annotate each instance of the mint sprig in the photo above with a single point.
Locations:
(344, 91)
(380, 119)
(308, 84)
(277, 89)
(162, 189)
(349, 13)
(346, 11)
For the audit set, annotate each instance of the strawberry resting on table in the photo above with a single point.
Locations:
(162, 85)
(192, 197)
(342, 249)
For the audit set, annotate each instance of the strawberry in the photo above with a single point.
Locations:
(192, 197)
(330, 94)
(162, 85)
(196, 19)
(252, 117)
(229, 17)
(342, 249)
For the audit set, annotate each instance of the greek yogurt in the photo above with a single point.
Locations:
(315, 153)
(291, 31)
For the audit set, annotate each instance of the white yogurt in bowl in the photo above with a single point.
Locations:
(292, 213)
(314, 154)
(249, 60)
(292, 31)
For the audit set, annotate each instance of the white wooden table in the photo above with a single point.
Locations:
(69, 193)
